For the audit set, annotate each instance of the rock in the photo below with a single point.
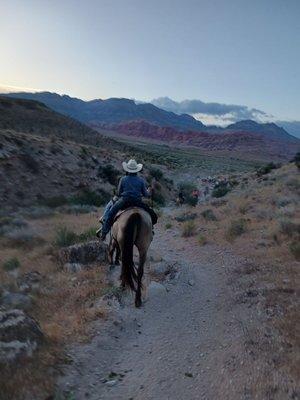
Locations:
(29, 281)
(20, 335)
(15, 300)
(83, 253)
(161, 268)
(191, 282)
(111, 383)
(156, 288)
(72, 267)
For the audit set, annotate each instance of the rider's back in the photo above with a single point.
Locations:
(132, 186)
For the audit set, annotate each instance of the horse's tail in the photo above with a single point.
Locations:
(130, 232)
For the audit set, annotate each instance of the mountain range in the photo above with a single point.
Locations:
(120, 110)
(126, 117)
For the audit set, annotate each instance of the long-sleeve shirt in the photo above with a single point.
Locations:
(132, 186)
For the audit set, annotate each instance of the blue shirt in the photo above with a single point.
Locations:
(132, 186)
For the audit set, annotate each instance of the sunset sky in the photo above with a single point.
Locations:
(234, 52)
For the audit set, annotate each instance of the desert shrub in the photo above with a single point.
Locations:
(64, 237)
(266, 169)
(295, 250)
(188, 229)
(168, 225)
(30, 162)
(156, 173)
(294, 184)
(109, 174)
(236, 228)
(187, 188)
(38, 212)
(87, 234)
(54, 201)
(91, 198)
(202, 240)
(11, 264)
(296, 160)
(219, 202)
(186, 217)
(289, 228)
(220, 190)
(158, 198)
(209, 215)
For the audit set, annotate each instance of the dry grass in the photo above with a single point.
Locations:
(64, 304)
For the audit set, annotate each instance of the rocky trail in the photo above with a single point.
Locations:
(186, 342)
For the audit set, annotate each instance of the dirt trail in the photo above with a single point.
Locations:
(175, 346)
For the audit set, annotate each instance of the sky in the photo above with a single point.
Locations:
(235, 52)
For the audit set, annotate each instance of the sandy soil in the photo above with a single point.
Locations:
(190, 340)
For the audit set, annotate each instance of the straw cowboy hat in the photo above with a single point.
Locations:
(132, 166)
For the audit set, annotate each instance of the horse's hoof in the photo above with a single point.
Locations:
(138, 303)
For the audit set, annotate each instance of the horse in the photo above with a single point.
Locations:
(132, 227)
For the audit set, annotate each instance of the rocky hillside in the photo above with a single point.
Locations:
(50, 160)
(253, 145)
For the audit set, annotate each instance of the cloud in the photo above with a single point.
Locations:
(196, 107)
(14, 89)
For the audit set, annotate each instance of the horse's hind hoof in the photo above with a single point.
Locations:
(138, 303)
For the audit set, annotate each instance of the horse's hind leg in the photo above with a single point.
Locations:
(118, 254)
(140, 272)
(111, 248)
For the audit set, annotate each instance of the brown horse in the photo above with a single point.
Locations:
(133, 227)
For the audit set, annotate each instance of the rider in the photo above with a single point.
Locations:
(132, 188)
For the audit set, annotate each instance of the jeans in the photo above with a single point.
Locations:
(122, 204)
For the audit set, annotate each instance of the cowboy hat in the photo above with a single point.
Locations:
(132, 166)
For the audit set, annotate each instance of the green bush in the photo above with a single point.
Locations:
(236, 228)
(209, 215)
(168, 225)
(158, 198)
(220, 191)
(188, 229)
(11, 264)
(289, 228)
(64, 237)
(156, 173)
(91, 198)
(87, 235)
(295, 250)
(55, 201)
(202, 240)
(109, 174)
(186, 217)
(187, 188)
(266, 169)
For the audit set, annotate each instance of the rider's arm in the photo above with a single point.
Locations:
(120, 188)
(145, 191)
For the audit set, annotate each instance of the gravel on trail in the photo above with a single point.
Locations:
(177, 345)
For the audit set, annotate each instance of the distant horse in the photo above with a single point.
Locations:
(132, 227)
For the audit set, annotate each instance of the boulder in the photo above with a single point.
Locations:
(83, 253)
(72, 267)
(20, 335)
(15, 300)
